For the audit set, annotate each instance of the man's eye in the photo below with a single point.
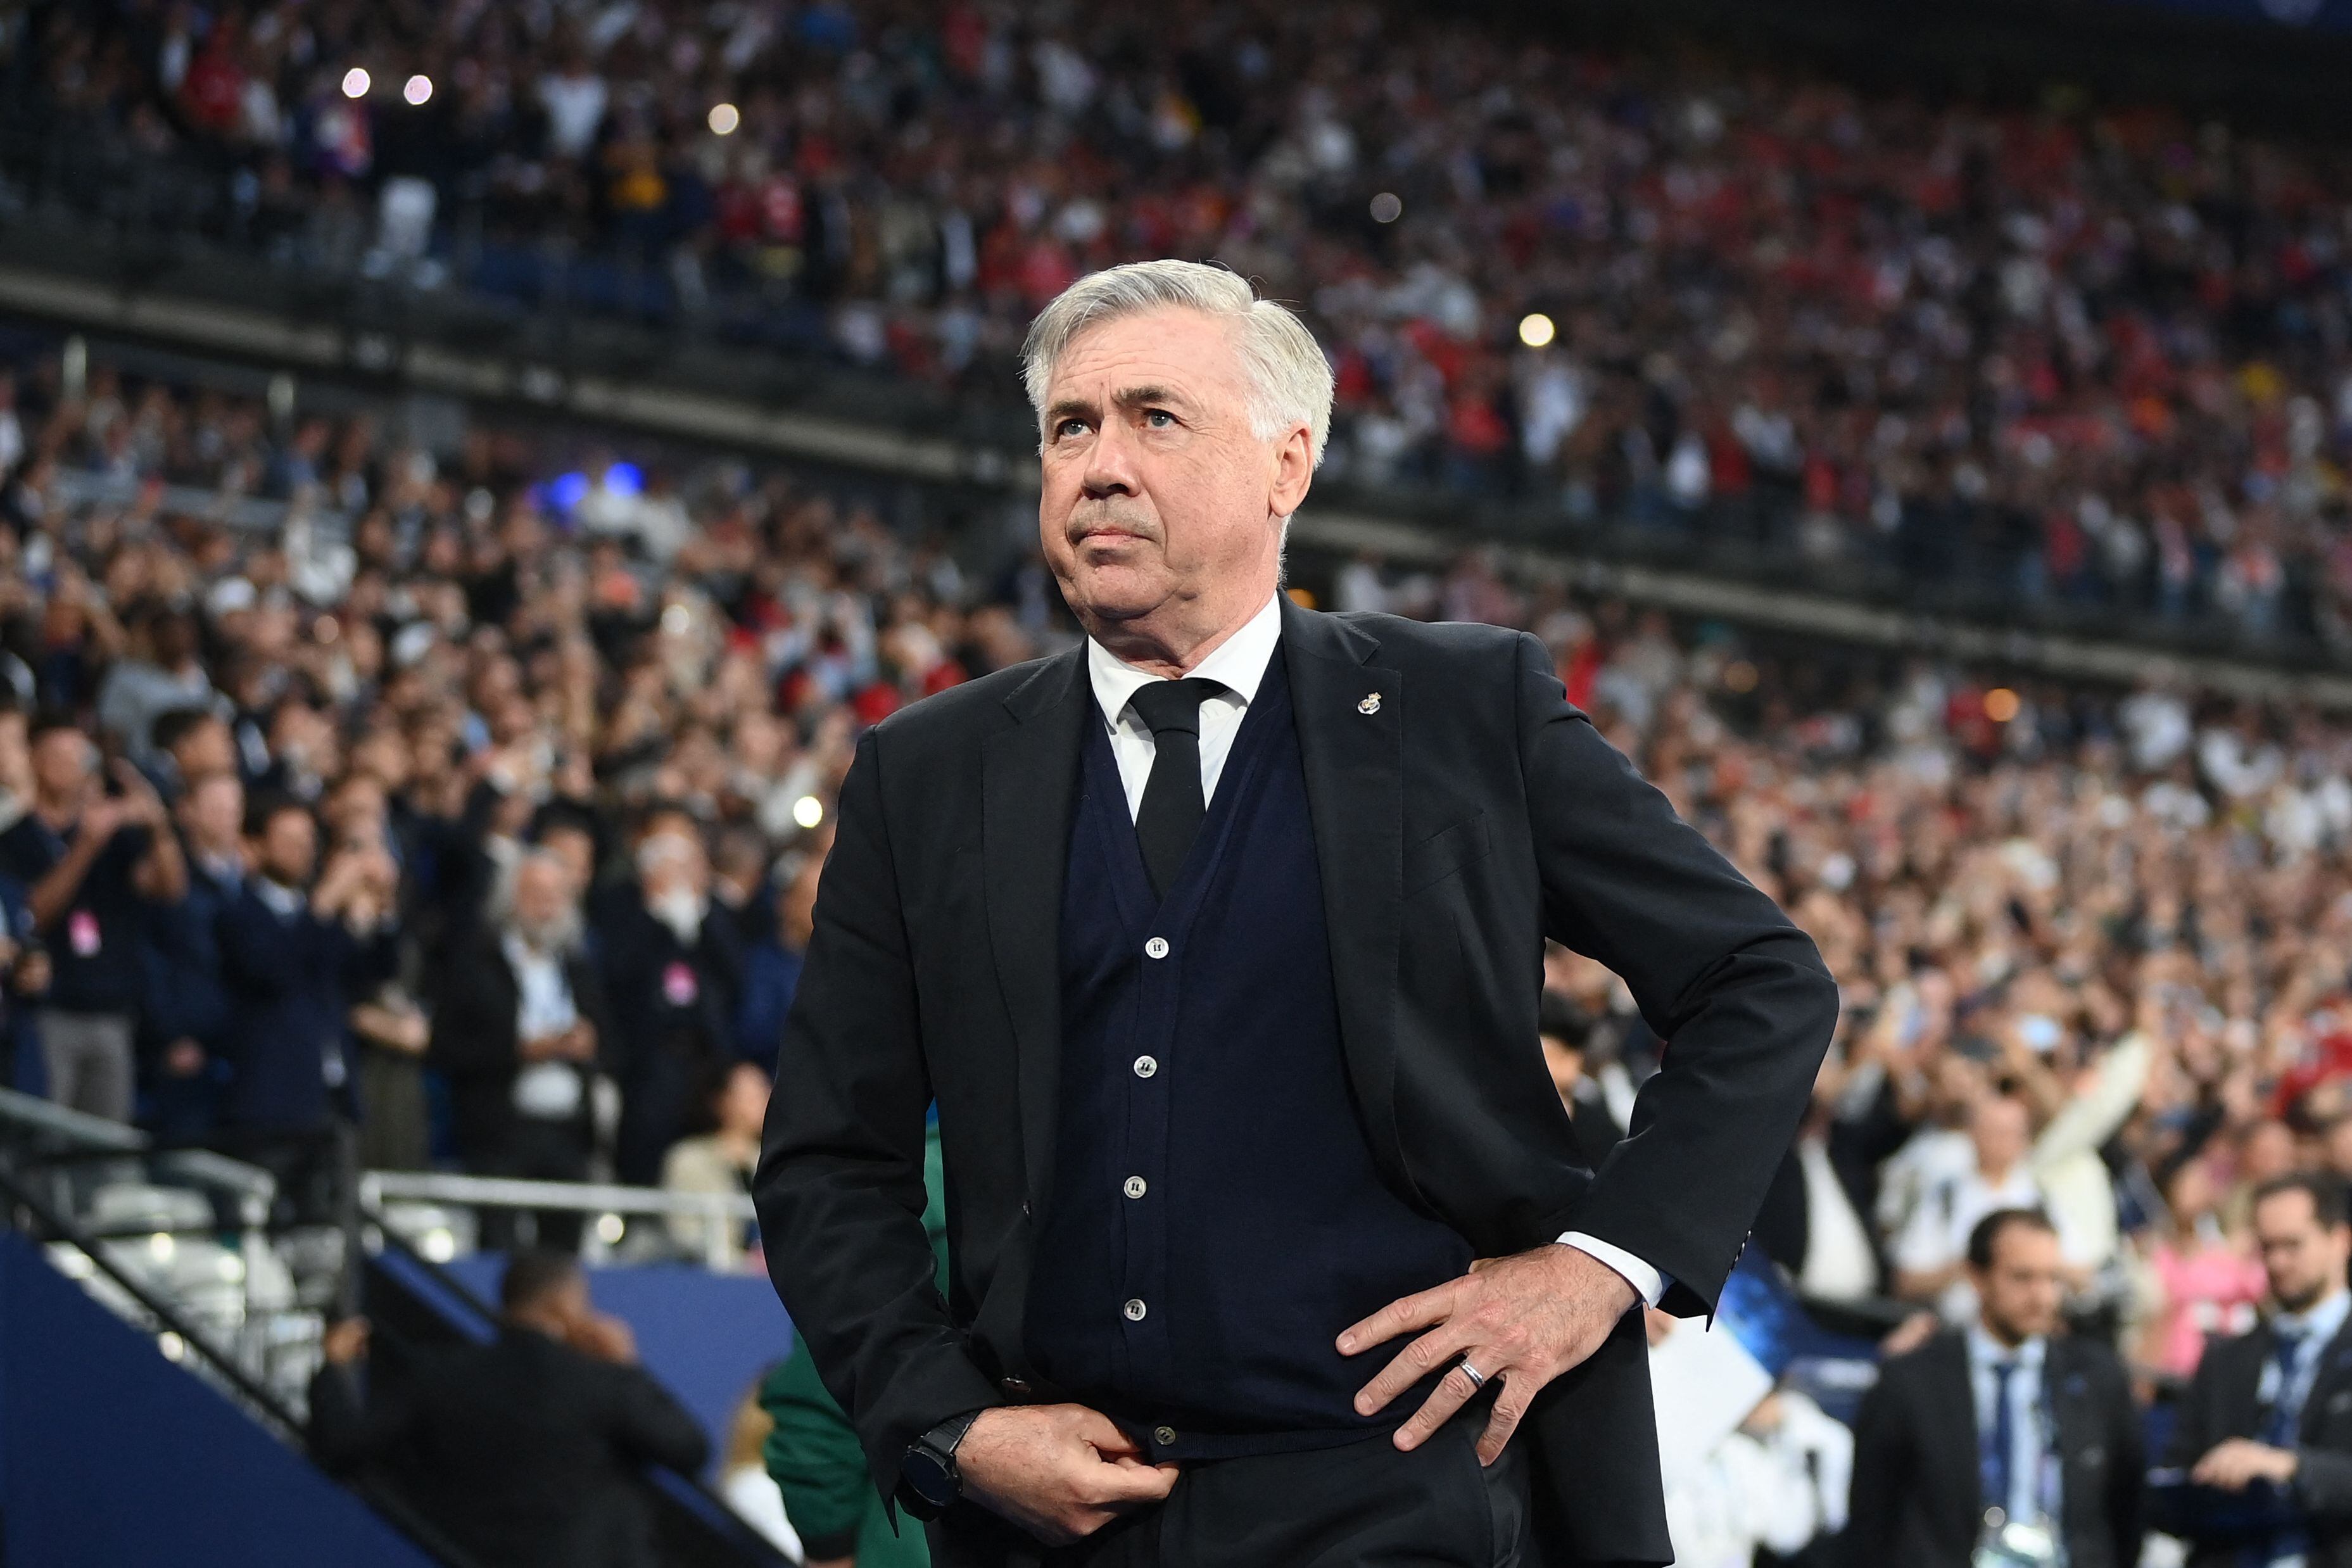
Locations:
(1159, 418)
(1069, 427)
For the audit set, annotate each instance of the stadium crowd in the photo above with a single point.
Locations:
(492, 822)
(2094, 357)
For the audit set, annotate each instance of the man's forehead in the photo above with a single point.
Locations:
(1183, 350)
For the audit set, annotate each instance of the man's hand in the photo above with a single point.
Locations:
(1059, 1471)
(2237, 1464)
(345, 1342)
(1522, 1321)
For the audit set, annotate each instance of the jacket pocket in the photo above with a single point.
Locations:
(1443, 853)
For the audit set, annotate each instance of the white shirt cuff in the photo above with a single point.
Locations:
(1647, 1282)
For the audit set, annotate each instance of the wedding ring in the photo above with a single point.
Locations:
(1477, 1379)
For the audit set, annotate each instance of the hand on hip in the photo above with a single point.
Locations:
(1520, 1320)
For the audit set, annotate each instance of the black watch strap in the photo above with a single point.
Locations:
(929, 1468)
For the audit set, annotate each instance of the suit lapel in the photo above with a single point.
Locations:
(1029, 775)
(1347, 709)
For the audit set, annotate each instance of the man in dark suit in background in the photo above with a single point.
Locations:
(528, 1450)
(519, 1027)
(2268, 1417)
(297, 945)
(1218, 941)
(2008, 1425)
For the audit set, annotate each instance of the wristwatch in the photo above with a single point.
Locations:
(929, 1470)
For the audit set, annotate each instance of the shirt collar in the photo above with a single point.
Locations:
(1238, 664)
(2321, 1321)
(1985, 1351)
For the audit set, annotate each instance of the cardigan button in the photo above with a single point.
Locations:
(1157, 947)
(1145, 1067)
(1134, 1310)
(1163, 1435)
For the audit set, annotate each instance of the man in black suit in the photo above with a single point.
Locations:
(519, 1027)
(527, 1451)
(2265, 1430)
(1217, 941)
(2006, 1429)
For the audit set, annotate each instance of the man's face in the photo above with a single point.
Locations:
(2019, 1294)
(212, 812)
(63, 763)
(207, 748)
(290, 848)
(1998, 1128)
(540, 894)
(1158, 499)
(2304, 1259)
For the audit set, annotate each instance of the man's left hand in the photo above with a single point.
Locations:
(2235, 1465)
(1522, 1320)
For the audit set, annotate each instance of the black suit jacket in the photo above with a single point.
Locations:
(474, 1039)
(1915, 1502)
(525, 1451)
(1459, 819)
(2223, 1401)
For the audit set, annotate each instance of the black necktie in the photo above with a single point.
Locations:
(1172, 806)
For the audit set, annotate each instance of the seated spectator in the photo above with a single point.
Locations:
(518, 1022)
(530, 1451)
(719, 1161)
(672, 966)
(92, 859)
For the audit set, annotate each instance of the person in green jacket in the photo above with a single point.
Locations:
(812, 1453)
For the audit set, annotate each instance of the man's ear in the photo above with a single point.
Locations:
(1292, 472)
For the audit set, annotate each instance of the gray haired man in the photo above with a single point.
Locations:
(1217, 942)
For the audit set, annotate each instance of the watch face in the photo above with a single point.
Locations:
(928, 1475)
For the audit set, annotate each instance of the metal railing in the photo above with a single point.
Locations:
(720, 1216)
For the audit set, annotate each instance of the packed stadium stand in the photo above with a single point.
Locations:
(469, 472)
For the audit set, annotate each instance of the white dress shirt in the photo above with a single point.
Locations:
(1239, 665)
(2027, 1441)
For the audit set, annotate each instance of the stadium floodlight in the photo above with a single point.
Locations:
(419, 89)
(1535, 330)
(808, 811)
(610, 1229)
(355, 82)
(724, 118)
(1387, 207)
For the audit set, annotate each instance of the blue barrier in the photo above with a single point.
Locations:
(111, 1457)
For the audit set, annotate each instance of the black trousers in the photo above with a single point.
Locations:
(1363, 1505)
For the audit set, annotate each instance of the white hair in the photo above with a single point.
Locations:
(1290, 380)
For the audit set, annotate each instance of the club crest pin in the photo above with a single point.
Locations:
(1371, 704)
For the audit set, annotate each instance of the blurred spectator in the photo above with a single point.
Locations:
(297, 945)
(2008, 1438)
(187, 1012)
(160, 673)
(1564, 1027)
(673, 965)
(719, 1161)
(91, 860)
(771, 966)
(2268, 1419)
(2208, 1278)
(519, 1024)
(1931, 1254)
(527, 1451)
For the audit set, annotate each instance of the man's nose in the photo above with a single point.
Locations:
(1110, 463)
